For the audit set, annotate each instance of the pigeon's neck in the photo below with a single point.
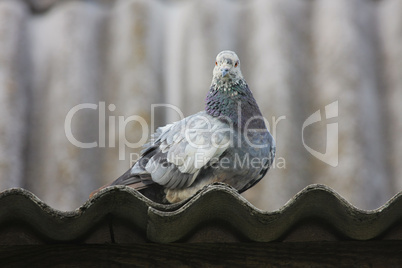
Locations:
(234, 102)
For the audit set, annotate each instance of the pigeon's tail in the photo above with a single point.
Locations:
(135, 181)
(98, 190)
(138, 178)
(128, 179)
(142, 183)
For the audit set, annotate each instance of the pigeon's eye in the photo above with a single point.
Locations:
(216, 63)
(237, 63)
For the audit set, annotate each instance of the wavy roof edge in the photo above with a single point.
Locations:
(216, 204)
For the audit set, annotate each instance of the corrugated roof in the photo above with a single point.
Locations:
(216, 214)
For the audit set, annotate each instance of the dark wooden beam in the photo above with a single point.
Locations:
(279, 254)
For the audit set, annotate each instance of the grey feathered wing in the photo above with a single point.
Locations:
(178, 152)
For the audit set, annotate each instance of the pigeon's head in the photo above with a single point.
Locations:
(227, 67)
(229, 90)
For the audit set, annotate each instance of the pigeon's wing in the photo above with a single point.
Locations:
(178, 151)
(185, 147)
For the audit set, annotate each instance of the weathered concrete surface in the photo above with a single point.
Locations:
(215, 214)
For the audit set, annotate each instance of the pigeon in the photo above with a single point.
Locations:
(228, 142)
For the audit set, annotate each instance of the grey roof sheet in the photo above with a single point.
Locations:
(215, 214)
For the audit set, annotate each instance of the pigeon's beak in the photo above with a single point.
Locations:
(224, 71)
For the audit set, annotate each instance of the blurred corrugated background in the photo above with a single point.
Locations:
(297, 55)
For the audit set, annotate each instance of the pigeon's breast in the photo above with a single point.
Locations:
(246, 160)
